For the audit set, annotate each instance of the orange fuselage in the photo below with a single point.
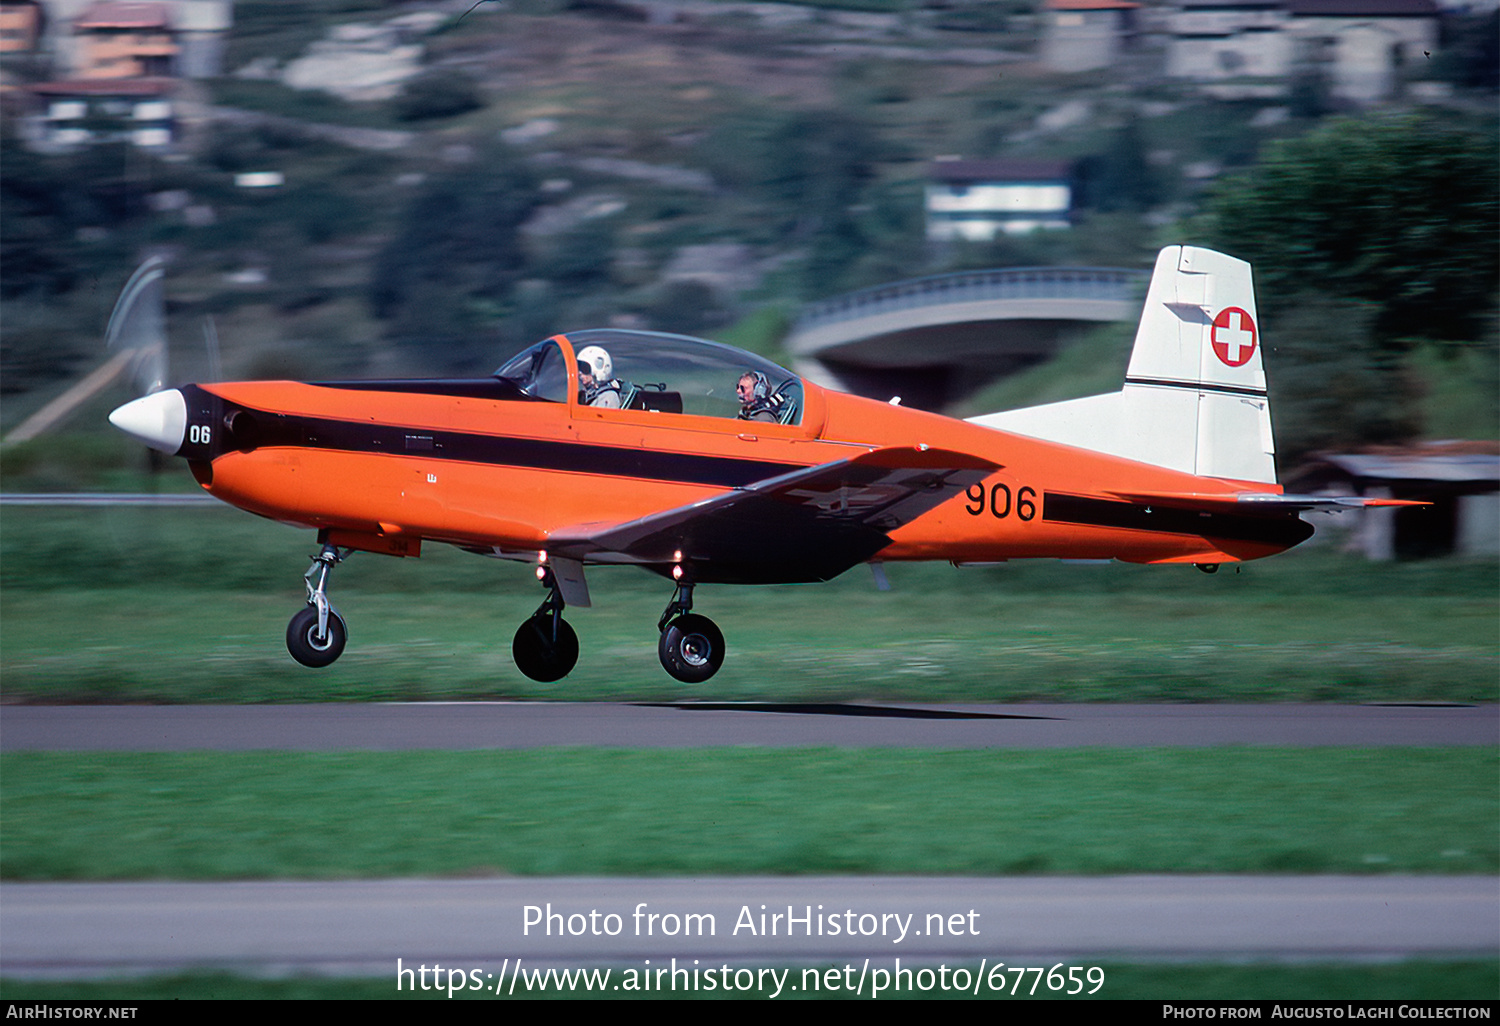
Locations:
(386, 470)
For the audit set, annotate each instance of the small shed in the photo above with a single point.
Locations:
(1461, 480)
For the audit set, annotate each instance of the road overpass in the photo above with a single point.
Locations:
(932, 340)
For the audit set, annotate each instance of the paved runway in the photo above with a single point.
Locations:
(364, 926)
(464, 725)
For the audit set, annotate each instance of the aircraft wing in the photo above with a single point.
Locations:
(807, 525)
(1253, 502)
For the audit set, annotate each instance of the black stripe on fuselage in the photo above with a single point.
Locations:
(498, 389)
(1077, 509)
(286, 430)
(1198, 386)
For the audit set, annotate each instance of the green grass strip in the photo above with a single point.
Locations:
(203, 816)
(169, 605)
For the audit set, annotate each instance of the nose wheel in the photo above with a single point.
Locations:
(312, 646)
(545, 647)
(317, 634)
(691, 647)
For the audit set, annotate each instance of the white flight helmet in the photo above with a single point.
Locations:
(598, 359)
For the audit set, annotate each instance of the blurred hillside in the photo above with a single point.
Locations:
(501, 173)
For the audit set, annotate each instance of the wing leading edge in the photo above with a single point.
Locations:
(804, 526)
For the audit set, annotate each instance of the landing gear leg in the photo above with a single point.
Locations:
(691, 647)
(317, 635)
(545, 647)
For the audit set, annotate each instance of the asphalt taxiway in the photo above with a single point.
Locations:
(364, 926)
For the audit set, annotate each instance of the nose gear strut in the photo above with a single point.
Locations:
(317, 634)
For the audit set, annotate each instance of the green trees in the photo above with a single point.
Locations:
(810, 176)
(438, 94)
(1121, 177)
(446, 278)
(1369, 238)
(1398, 211)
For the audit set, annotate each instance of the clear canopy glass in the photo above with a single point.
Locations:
(650, 370)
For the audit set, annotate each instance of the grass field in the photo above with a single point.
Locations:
(164, 605)
(724, 812)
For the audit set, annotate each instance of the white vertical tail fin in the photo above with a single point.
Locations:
(1195, 392)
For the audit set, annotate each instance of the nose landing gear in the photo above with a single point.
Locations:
(691, 647)
(317, 634)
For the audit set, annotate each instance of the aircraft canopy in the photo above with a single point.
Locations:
(651, 370)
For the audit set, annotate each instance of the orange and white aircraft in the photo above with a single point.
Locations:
(707, 464)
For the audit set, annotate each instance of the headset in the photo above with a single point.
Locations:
(762, 388)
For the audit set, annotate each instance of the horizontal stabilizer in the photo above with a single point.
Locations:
(1250, 502)
(807, 525)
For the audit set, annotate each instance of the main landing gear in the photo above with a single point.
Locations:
(545, 647)
(317, 635)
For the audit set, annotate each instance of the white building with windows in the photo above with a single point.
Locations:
(80, 113)
(975, 200)
(1081, 35)
(1255, 47)
(1365, 46)
(120, 63)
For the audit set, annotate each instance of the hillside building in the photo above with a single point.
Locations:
(1254, 48)
(1081, 35)
(20, 26)
(124, 39)
(975, 200)
(118, 64)
(83, 112)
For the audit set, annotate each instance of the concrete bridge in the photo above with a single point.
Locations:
(933, 340)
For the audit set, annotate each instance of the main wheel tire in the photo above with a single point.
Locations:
(541, 657)
(306, 647)
(691, 648)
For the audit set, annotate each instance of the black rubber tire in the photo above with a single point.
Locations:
(691, 648)
(536, 653)
(302, 641)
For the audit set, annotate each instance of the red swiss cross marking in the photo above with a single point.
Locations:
(1234, 336)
